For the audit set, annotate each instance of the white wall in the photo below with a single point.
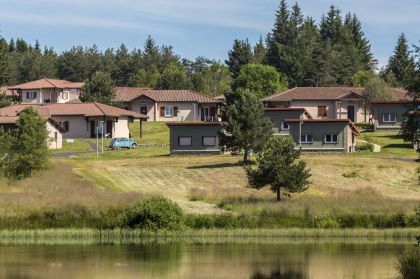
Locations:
(120, 128)
(49, 94)
(78, 127)
(52, 133)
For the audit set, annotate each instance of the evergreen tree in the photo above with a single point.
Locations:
(246, 127)
(72, 65)
(239, 56)
(5, 74)
(28, 149)
(122, 73)
(309, 45)
(401, 64)
(151, 54)
(277, 168)
(259, 52)
(99, 88)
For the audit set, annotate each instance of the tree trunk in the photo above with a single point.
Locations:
(245, 156)
(278, 194)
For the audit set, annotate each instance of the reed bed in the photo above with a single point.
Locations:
(206, 236)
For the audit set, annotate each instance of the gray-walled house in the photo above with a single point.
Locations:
(195, 137)
(324, 135)
(279, 115)
(389, 115)
(168, 105)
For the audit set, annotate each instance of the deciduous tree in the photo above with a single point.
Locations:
(27, 152)
(99, 88)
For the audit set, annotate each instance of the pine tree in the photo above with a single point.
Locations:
(151, 54)
(246, 127)
(401, 63)
(277, 168)
(259, 52)
(5, 74)
(309, 44)
(174, 76)
(239, 56)
(277, 39)
(122, 73)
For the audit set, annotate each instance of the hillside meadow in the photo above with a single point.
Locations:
(355, 190)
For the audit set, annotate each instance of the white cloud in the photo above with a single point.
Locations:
(233, 13)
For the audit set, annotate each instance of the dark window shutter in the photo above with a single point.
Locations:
(66, 126)
(35, 95)
(175, 111)
(213, 111)
(162, 111)
(27, 95)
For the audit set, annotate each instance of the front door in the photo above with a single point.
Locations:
(92, 129)
(109, 129)
(205, 114)
(350, 113)
(143, 110)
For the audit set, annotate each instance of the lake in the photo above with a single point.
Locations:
(183, 260)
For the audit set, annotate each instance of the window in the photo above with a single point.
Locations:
(169, 111)
(209, 141)
(306, 138)
(65, 125)
(322, 111)
(184, 141)
(284, 125)
(31, 94)
(331, 138)
(65, 95)
(389, 117)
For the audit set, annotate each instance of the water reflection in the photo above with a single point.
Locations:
(264, 261)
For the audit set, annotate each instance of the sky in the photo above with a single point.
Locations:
(193, 27)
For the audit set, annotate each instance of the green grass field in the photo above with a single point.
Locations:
(354, 184)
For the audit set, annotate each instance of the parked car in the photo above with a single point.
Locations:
(117, 143)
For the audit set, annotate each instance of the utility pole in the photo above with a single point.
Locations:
(97, 141)
(102, 136)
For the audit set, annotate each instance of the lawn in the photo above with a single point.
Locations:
(205, 184)
(76, 145)
(392, 145)
(352, 184)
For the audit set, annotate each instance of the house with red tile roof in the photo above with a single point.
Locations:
(328, 102)
(168, 105)
(47, 90)
(79, 120)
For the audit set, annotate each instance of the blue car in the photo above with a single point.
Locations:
(117, 143)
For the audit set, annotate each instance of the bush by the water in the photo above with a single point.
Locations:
(153, 214)
(408, 264)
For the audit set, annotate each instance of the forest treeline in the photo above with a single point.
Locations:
(333, 52)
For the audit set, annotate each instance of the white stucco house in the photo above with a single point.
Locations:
(169, 105)
(77, 120)
(328, 102)
(47, 90)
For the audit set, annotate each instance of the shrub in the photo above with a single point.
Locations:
(153, 214)
(366, 146)
(408, 264)
(351, 174)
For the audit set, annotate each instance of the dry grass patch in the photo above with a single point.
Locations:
(200, 182)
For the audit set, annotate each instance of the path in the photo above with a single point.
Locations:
(66, 154)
